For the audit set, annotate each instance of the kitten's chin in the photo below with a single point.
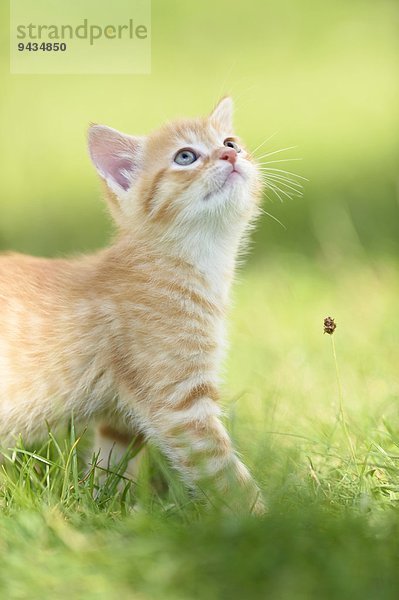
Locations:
(232, 183)
(233, 203)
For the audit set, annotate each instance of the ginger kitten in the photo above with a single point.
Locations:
(132, 337)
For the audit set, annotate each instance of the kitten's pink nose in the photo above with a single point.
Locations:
(229, 154)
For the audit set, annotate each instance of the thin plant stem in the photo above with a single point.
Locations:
(341, 405)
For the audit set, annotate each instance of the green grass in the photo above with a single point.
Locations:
(333, 524)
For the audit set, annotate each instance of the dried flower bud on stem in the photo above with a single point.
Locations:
(329, 325)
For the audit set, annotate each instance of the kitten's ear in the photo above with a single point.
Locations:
(222, 114)
(116, 157)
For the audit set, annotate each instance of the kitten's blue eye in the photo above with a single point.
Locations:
(231, 144)
(185, 157)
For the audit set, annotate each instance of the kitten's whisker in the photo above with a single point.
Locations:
(296, 191)
(292, 185)
(274, 189)
(284, 179)
(271, 162)
(273, 217)
(276, 186)
(263, 143)
(271, 169)
(288, 194)
(278, 173)
(276, 152)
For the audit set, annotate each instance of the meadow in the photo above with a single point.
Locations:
(328, 463)
(315, 417)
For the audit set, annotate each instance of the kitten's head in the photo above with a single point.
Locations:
(188, 173)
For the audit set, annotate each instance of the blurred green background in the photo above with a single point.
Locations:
(322, 76)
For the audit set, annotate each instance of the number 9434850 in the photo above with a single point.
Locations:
(43, 47)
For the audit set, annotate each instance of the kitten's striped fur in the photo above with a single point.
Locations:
(132, 337)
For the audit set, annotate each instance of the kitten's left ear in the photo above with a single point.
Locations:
(116, 157)
(222, 114)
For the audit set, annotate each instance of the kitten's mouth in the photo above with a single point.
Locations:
(234, 174)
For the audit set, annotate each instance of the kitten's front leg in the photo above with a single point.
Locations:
(188, 430)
